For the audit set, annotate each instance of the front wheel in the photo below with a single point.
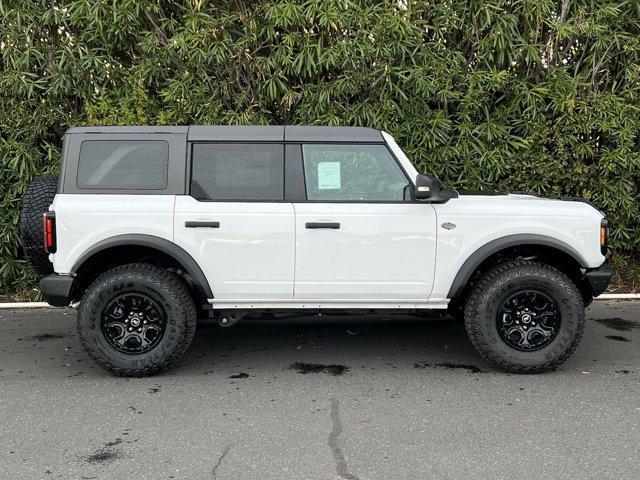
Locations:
(525, 317)
(136, 320)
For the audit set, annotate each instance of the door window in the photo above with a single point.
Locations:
(227, 172)
(353, 173)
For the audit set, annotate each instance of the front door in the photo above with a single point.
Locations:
(358, 235)
(236, 224)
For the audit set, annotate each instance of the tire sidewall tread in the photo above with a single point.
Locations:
(166, 288)
(494, 287)
(36, 201)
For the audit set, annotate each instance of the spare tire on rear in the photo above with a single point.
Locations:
(37, 199)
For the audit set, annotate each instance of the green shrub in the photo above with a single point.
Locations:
(532, 95)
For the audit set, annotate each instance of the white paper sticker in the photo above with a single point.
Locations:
(329, 176)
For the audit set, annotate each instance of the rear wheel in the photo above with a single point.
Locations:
(136, 320)
(36, 202)
(525, 317)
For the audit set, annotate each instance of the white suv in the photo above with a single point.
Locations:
(152, 227)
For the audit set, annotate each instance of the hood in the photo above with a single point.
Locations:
(530, 202)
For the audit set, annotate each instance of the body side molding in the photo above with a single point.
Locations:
(494, 246)
(161, 244)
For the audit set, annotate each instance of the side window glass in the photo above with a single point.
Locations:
(237, 172)
(352, 173)
(123, 164)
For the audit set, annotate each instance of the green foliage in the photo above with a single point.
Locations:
(626, 270)
(534, 95)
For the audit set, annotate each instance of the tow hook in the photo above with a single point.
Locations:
(228, 318)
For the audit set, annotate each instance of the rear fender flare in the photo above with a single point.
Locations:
(161, 244)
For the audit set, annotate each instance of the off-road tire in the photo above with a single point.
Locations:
(36, 202)
(167, 289)
(503, 280)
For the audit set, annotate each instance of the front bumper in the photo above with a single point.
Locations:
(599, 278)
(56, 289)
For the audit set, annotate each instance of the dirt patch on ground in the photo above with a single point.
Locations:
(448, 366)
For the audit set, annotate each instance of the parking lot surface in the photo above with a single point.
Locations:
(323, 398)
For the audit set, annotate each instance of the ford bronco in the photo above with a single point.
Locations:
(148, 229)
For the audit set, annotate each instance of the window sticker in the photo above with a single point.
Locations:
(329, 176)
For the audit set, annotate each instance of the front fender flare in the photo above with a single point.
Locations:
(485, 251)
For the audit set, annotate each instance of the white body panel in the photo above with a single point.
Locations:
(250, 257)
(84, 220)
(480, 219)
(381, 251)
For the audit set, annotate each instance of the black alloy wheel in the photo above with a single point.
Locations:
(528, 320)
(133, 323)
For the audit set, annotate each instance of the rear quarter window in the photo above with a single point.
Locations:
(123, 164)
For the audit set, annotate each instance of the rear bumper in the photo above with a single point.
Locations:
(599, 278)
(56, 289)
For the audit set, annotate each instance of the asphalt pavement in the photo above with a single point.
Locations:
(370, 397)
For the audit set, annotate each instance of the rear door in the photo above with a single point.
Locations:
(235, 222)
(359, 236)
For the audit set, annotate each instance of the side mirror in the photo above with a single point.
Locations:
(426, 187)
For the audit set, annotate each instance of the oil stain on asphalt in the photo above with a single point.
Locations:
(106, 453)
(45, 336)
(305, 368)
(618, 324)
(617, 338)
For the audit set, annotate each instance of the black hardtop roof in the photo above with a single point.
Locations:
(249, 133)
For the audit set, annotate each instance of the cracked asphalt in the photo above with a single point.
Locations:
(330, 398)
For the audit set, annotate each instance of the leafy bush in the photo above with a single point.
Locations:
(532, 95)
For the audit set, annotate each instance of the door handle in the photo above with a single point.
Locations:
(202, 224)
(332, 225)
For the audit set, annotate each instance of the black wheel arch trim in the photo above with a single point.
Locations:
(161, 244)
(481, 254)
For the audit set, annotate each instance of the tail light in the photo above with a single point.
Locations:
(49, 229)
(604, 235)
